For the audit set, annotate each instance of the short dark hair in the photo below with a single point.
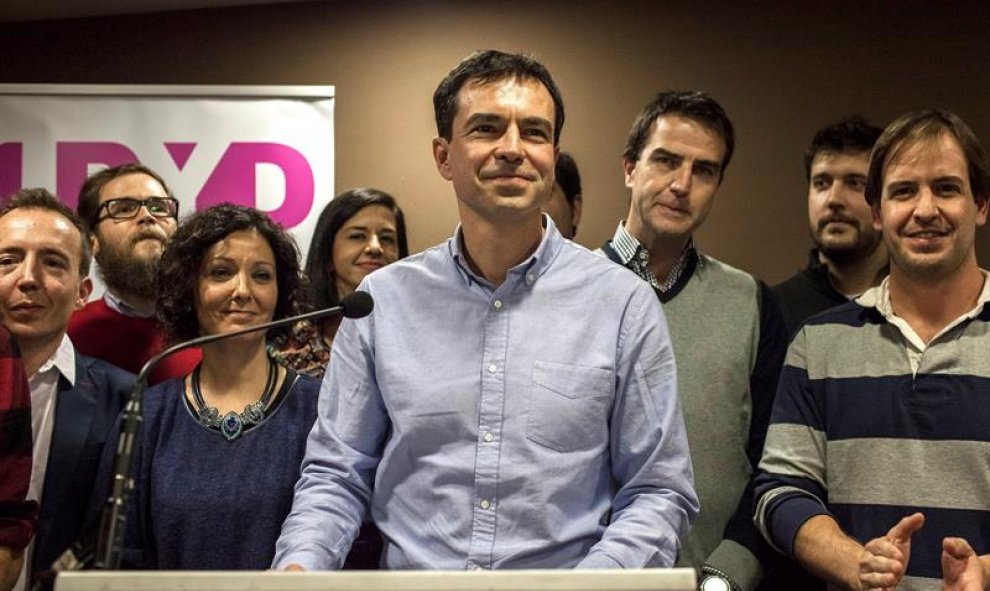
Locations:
(89, 193)
(852, 134)
(179, 269)
(919, 126)
(38, 198)
(322, 285)
(492, 66)
(694, 105)
(567, 176)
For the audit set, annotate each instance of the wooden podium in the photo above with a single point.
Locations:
(672, 579)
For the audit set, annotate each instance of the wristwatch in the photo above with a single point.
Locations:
(714, 583)
(713, 579)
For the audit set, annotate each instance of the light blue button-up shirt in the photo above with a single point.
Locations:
(531, 425)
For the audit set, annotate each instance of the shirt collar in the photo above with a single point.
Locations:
(815, 262)
(634, 255)
(118, 305)
(879, 298)
(821, 271)
(530, 269)
(63, 360)
(625, 245)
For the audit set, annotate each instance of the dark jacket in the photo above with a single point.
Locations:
(84, 416)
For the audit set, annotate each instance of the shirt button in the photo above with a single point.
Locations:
(489, 437)
(485, 504)
(474, 567)
(530, 278)
(492, 368)
(498, 304)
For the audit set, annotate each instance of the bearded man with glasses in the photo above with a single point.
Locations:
(131, 215)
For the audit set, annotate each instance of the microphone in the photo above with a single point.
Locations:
(112, 520)
(357, 305)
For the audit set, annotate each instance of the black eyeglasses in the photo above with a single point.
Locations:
(127, 207)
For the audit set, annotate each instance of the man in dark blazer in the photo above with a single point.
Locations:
(44, 261)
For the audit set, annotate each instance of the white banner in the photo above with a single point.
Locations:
(269, 147)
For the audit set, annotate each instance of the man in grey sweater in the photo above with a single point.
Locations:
(726, 328)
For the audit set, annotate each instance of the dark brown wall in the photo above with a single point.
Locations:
(781, 70)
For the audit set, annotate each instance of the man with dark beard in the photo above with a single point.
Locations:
(849, 257)
(131, 214)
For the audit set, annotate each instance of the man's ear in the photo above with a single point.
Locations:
(85, 288)
(877, 223)
(94, 243)
(441, 155)
(576, 210)
(981, 210)
(628, 168)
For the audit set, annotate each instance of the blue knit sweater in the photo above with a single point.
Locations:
(202, 502)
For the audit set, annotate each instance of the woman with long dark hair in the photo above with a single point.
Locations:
(358, 232)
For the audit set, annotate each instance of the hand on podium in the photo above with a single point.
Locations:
(293, 568)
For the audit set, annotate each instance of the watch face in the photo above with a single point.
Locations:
(715, 584)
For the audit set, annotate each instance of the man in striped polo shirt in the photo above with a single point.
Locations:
(876, 458)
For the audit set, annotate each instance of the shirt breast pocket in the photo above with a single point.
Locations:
(569, 406)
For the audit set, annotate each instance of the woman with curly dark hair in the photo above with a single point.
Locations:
(219, 450)
(359, 231)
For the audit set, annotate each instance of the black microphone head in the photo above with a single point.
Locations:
(357, 305)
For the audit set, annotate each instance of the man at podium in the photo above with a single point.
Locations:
(511, 402)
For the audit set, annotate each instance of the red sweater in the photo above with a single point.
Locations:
(126, 341)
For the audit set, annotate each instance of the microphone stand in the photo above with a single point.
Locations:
(106, 555)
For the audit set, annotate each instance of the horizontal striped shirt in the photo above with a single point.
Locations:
(871, 424)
